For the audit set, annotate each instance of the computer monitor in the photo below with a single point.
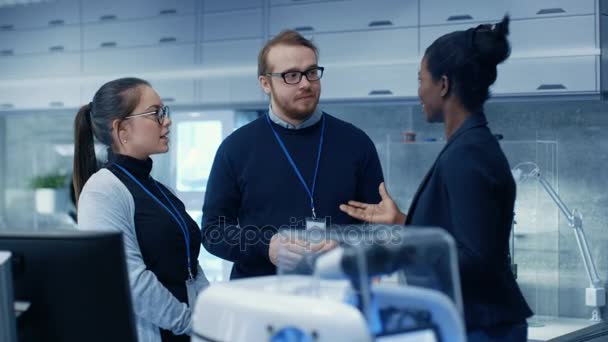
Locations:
(8, 331)
(76, 283)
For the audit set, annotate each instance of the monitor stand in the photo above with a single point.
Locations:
(20, 308)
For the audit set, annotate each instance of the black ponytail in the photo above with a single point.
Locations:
(85, 162)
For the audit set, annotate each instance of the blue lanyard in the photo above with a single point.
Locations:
(310, 191)
(180, 221)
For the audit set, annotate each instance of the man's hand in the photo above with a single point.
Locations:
(323, 246)
(287, 251)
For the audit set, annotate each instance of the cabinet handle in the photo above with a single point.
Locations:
(460, 17)
(7, 27)
(56, 104)
(380, 23)
(304, 28)
(167, 99)
(56, 22)
(108, 44)
(7, 105)
(107, 17)
(380, 92)
(167, 40)
(8, 52)
(551, 87)
(58, 48)
(168, 11)
(550, 11)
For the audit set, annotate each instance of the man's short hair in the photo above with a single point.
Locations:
(289, 37)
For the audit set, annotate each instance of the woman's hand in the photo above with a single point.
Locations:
(385, 212)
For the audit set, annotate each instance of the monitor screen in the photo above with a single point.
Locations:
(76, 285)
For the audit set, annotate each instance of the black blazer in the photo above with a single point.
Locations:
(470, 192)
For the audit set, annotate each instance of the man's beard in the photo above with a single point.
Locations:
(298, 112)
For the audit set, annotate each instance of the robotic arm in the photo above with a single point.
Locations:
(595, 294)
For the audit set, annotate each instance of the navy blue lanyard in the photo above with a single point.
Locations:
(310, 191)
(176, 216)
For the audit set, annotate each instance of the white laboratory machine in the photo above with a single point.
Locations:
(382, 283)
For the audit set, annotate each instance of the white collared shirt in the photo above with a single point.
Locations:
(313, 119)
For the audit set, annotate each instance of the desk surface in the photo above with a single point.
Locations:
(552, 327)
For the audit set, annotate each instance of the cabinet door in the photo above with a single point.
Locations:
(549, 8)
(40, 96)
(546, 75)
(230, 5)
(313, 17)
(44, 14)
(370, 82)
(535, 37)
(233, 25)
(110, 10)
(558, 36)
(385, 13)
(131, 60)
(171, 92)
(389, 46)
(148, 32)
(231, 54)
(57, 39)
(231, 89)
(433, 12)
(64, 95)
(11, 96)
(37, 66)
(295, 2)
(344, 16)
(174, 92)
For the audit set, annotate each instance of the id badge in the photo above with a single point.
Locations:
(192, 293)
(318, 223)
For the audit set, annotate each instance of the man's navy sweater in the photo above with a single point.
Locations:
(253, 190)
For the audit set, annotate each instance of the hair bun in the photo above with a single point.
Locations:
(502, 28)
(491, 42)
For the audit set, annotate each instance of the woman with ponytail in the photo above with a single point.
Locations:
(162, 242)
(469, 191)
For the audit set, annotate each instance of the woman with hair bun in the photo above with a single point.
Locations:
(469, 191)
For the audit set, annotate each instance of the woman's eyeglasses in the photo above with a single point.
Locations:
(160, 114)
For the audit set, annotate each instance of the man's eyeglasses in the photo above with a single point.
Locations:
(160, 114)
(294, 77)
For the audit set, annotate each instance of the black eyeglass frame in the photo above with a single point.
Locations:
(161, 113)
(304, 73)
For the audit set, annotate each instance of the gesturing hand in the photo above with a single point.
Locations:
(385, 212)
